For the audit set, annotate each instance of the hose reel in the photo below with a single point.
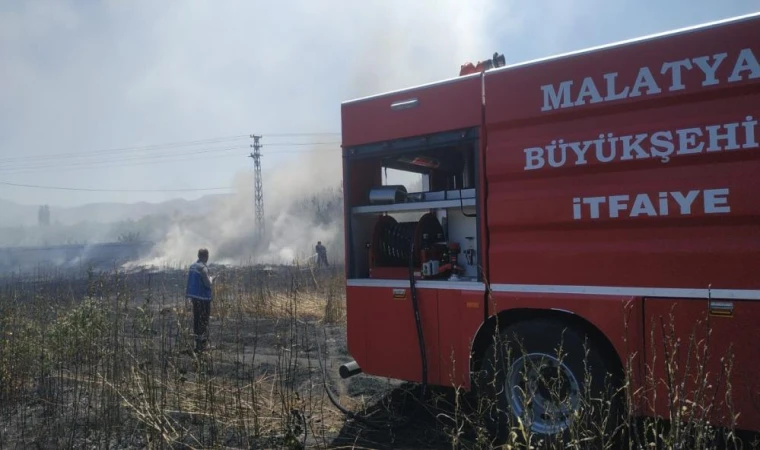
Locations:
(392, 240)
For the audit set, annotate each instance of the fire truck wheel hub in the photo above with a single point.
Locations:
(543, 393)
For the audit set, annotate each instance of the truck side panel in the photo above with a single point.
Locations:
(515, 93)
(595, 196)
(688, 243)
(460, 315)
(654, 191)
(446, 106)
(704, 362)
(382, 337)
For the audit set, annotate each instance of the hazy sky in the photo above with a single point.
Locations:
(86, 76)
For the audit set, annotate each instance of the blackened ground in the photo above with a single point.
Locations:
(287, 348)
(275, 345)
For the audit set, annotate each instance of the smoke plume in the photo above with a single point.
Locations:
(394, 45)
(302, 206)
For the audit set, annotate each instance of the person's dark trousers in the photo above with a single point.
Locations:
(201, 313)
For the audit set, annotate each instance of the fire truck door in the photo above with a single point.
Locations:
(383, 332)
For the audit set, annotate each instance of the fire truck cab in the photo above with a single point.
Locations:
(580, 199)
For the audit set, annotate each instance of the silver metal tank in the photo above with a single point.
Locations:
(383, 195)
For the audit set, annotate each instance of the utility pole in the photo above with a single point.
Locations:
(258, 189)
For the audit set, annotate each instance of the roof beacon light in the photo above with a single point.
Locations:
(496, 61)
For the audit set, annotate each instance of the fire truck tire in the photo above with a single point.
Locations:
(533, 370)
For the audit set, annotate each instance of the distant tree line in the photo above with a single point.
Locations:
(325, 207)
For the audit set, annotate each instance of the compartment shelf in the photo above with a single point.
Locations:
(412, 206)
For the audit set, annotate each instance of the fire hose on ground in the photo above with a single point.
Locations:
(423, 356)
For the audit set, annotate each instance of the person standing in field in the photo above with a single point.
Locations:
(199, 292)
(321, 254)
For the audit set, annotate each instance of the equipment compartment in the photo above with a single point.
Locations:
(430, 209)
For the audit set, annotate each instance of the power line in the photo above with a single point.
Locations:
(22, 160)
(110, 158)
(60, 168)
(301, 134)
(66, 188)
(157, 158)
(124, 149)
(170, 145)
(300, 144)
(112, 165)
(313, 150)
(172, 156)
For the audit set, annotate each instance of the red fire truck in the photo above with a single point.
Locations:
(597, 196)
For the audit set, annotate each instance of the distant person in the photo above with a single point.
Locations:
(199, 291)
(321, 254)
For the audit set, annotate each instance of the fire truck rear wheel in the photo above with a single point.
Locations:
(551, 390)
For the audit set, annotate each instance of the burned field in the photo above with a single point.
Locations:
(104, 360)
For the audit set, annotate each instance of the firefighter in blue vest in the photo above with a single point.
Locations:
(199, 292)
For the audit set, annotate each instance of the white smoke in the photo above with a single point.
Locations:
(396, 45)
(291, 231)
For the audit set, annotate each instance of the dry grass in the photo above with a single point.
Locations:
(103, 362)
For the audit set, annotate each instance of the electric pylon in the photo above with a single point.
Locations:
(258, 193)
